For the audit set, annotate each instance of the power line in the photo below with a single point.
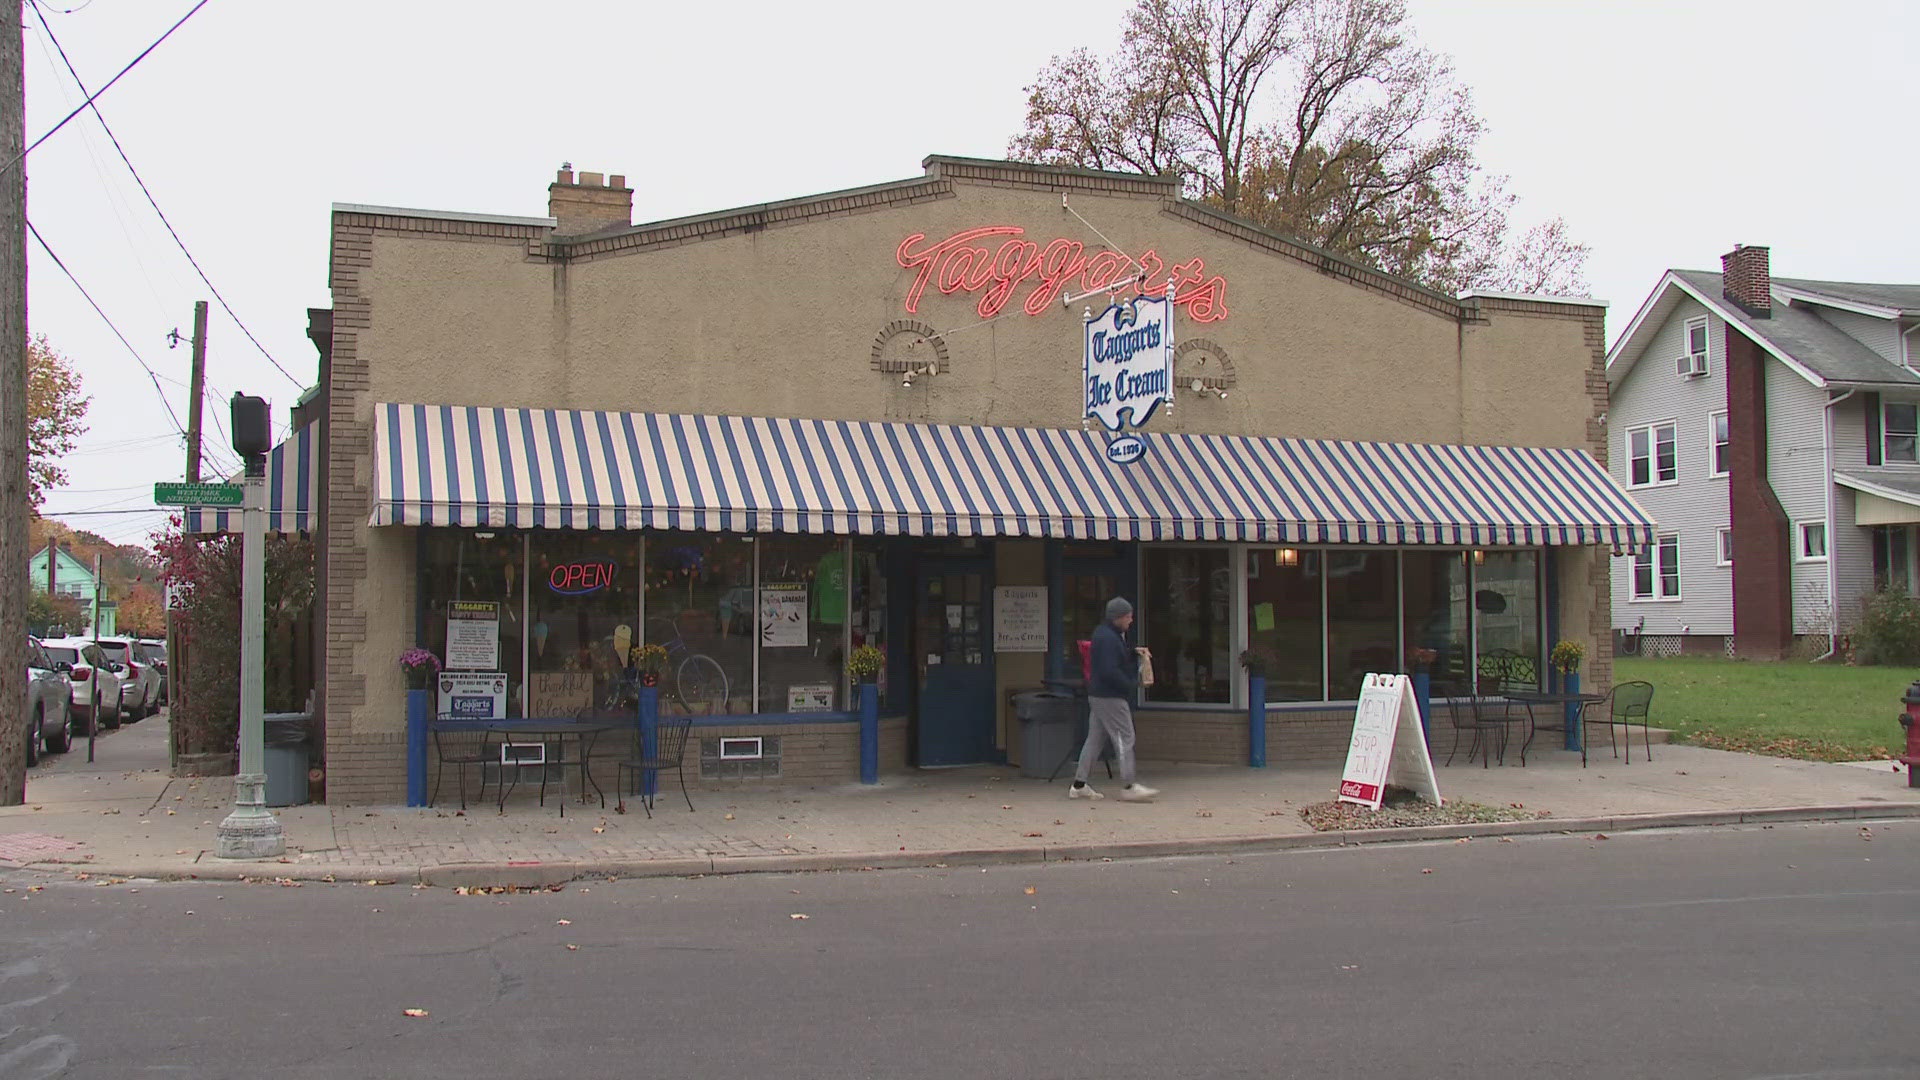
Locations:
(144, 190)
(76, 112)
(144, 366)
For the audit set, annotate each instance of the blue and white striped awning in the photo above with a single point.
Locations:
(293, 489)
(556, 469)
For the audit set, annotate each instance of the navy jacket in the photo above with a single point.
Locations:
(1116, 667)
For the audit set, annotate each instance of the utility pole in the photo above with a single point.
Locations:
(197, 392)
(13, 401)
(196, 388)
(252, 831)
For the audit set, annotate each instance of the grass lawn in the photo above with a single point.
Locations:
(1819, 712)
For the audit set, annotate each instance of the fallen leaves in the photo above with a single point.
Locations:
(417, 1014)
(1032, 834)
(563, 922)
(1031, 890)
(573, 948)
(797, 916)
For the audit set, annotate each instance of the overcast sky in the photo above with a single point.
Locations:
(1663, 132)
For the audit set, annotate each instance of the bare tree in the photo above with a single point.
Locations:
(1322, 119)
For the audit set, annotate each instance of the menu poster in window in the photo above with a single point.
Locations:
(1388, 745)
(558, 695)
(783, 615)
(811, 697)
(466, 695)
(473, 635)
(1020, 618)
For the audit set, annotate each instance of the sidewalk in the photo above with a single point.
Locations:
(123, 816)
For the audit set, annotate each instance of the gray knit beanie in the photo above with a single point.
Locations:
(1117, 607)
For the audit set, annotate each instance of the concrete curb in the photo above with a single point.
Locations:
(544, 875)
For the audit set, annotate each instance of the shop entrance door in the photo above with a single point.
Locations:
(953, 664)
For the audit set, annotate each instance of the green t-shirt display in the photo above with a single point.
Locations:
(830, 590)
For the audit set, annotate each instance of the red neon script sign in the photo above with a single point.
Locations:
(963, 263)
(580, 578)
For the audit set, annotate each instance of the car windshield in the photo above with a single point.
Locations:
(60, 654)
(116, 651)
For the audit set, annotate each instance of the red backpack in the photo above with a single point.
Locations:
(1086, 659)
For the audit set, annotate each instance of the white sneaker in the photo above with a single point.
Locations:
(1083, 791)
(1138, 793)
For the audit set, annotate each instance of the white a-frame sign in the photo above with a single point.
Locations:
(1388, 744)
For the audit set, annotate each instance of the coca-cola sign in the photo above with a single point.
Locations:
(995, 261)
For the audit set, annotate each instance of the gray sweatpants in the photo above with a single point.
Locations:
(1111, 720)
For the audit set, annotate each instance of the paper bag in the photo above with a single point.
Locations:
(1146, 666)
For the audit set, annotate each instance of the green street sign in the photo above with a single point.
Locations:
(198, 494)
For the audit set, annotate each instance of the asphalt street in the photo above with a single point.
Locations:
(1754, 952)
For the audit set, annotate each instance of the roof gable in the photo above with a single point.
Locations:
(1811, 347)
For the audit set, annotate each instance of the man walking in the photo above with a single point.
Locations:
(1110, 688)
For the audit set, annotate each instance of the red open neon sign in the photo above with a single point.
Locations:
(963, 263)
(580, 578)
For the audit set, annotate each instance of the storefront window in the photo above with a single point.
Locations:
(464, 567)
(1506, 602)
(867, 610)
(1283, 621)
(1436, 591)
(583, 613)
(802, 623)
(1188, 621)
(1363, 618)
(700, 607)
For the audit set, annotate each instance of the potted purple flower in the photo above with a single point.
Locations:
(421, 666)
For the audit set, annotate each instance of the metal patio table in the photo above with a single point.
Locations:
(584, 734)
(1576, 735)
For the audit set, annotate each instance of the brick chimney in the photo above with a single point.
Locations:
(589, 204)
(1747, 280)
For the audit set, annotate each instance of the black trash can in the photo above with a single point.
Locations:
(287, 744)
(1046, 730)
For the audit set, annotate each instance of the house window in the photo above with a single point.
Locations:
(1718, 440)
(1893, 558)
(1726, 547)
(1650, 450)
(1899, 425)
(1694, 361)
(1813, 541)
(1656, 570)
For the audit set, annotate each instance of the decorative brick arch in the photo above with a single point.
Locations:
(909, 345)
(1203, 359)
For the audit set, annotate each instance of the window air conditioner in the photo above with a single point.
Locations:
(1693, 365)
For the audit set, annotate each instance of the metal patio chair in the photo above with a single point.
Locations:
(1628, 703)
(1463, 710)
(457, 750)
(670, 749)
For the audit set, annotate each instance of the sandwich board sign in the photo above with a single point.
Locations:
(1387, 745)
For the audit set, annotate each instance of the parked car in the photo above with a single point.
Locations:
(49, 705)
(96, 687)
(140, 681)
(153, 651)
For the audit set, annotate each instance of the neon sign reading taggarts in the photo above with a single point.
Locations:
(580, 578)
(995, 261)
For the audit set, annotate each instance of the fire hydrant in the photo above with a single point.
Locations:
(1911, 721)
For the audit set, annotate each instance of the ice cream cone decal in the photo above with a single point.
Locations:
(540, 638)
(622, 641)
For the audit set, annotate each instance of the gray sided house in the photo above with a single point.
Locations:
(1770, 426)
